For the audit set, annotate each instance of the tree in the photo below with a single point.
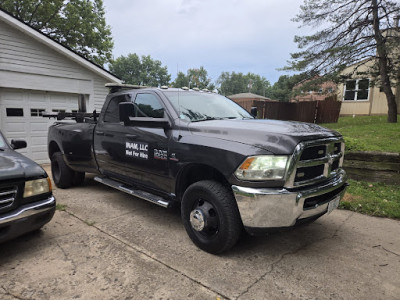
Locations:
(353, 32)
(198, 78)
(77, 24)
(181, 80)
(235, 83)
(194, 78)
(232, 83)
(140, 71)
(283, 89)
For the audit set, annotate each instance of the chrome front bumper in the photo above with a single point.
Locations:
(272, 208)
(26, 211)
(27, 218)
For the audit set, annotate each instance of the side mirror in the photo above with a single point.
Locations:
(253, 111)
(18, 144)
(126, 110)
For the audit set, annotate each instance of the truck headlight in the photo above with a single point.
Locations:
(263, 167)
(37, 187)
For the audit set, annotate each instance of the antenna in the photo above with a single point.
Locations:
(179, 105)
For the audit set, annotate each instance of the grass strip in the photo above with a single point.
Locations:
(374, 199)
(368, 133)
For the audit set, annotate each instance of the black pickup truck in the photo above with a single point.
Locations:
(227, 170)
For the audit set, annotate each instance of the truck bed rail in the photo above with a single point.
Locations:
(79, 117)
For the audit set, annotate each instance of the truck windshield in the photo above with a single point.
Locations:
(201, 106)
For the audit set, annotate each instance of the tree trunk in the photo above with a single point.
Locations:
(383, 66)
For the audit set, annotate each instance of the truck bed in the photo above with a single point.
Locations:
(77, 142)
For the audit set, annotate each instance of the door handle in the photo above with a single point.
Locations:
(99, 132)
(131, 136)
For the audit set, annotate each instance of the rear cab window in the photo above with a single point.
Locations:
(111, 114)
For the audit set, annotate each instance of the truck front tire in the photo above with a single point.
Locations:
(62, 174)
(210, 216)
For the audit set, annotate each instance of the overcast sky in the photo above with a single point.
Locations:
(221, 35)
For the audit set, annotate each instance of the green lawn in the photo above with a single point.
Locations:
(374, 199)
(368, 133)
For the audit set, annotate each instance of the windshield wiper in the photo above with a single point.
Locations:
(207, 119)
(215, 118)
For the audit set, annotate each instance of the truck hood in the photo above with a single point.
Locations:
(14, 165)
(277, 137)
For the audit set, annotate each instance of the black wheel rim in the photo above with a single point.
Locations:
(204, 219)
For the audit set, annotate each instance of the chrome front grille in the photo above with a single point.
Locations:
(314, 161)
(7, 196)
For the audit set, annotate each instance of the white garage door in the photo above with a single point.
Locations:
(20, 117)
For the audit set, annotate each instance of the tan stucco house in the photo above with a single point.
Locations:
(358, 95)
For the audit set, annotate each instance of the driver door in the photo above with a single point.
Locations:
(140, 152)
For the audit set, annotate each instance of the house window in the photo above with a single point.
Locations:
(357, 90)
(14, 112)
(37, 112)
(58, 110)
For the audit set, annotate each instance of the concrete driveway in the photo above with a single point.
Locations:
(109, 245)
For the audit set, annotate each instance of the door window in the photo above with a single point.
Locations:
(37, 112)
(148, 105)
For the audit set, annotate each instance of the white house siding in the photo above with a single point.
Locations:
(38, 64)
(31, 126)
(34, 75)
(99, 93)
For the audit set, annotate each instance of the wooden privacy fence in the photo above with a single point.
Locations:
(326, 111)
